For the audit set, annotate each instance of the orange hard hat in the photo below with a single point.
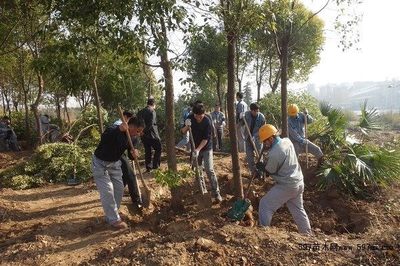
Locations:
(293, 109)
(266, 131)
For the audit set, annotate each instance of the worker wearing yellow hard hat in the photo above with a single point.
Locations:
(297, 133)
(282, 165)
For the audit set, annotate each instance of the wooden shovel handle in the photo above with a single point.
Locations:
(131, 147)
(250, 137)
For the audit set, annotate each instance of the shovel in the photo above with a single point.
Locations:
(240, 206)
(250, 137)
(204, 199)
(305, 136)
(146, 193)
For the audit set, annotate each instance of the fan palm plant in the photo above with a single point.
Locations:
(353, 167)
(369, 119)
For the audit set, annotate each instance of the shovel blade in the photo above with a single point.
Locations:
(72, 182)
(239, 209)
(146, 198)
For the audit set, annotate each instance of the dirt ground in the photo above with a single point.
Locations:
(62, 225)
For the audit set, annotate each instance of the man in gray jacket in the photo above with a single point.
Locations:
(283, 167)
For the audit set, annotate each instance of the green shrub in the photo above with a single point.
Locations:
(87, 117)
(354, 167)
(172, 179)
(23, 182)
(53, 163)
(18, 124)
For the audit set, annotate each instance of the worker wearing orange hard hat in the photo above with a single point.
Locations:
(282, 165)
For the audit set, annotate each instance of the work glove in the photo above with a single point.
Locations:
(241, 115)
(188, 122)
(304, 141)
(305, 111)
(223, 124)
(260, 168)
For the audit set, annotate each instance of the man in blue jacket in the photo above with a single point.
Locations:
(296, 121)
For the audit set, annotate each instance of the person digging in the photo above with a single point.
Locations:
(201, 128)
(128, 173)
(106, 167)
(282, 165)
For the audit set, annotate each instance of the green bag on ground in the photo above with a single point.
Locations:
(238, 209)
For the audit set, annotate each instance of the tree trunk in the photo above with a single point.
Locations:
(35, 105)
(96, 97)
(258, 91)
(284, 79)
(66, 110)
(176, 199)
(3, 101)
(58, 111)
(219, 91)
(15, 104)
(231, 38)
(26, 109)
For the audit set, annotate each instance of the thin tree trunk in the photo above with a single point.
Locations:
(58, 111)
(219, 91)
(97, 97)
(35, 105)
(15, 105)
(26, 109)
(284, 79)
(3, 101)
(231, 38)
(176, 199)
(66, 110)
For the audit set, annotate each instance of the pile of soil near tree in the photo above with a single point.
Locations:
(61, 225)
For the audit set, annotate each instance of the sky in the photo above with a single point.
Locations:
(378, 57)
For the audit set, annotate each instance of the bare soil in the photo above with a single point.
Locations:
(62, 225)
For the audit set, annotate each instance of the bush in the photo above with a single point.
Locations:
(53, 163)
(18, 124)
(172, 179)
(88, 117)
(354, 167)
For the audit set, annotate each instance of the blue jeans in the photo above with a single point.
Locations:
(206, 157)
(108, 179)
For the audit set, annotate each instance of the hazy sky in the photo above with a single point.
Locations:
(379, 55)
(377, 59)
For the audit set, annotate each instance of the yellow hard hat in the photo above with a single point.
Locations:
(266, 131)
(293, 109)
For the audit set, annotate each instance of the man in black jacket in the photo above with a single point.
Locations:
(106, 167)
(151, 138)
(128, 173)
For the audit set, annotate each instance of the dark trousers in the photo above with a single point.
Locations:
(218, 140)
(129, 178)
(150, 144)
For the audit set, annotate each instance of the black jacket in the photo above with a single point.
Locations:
(149, 116)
